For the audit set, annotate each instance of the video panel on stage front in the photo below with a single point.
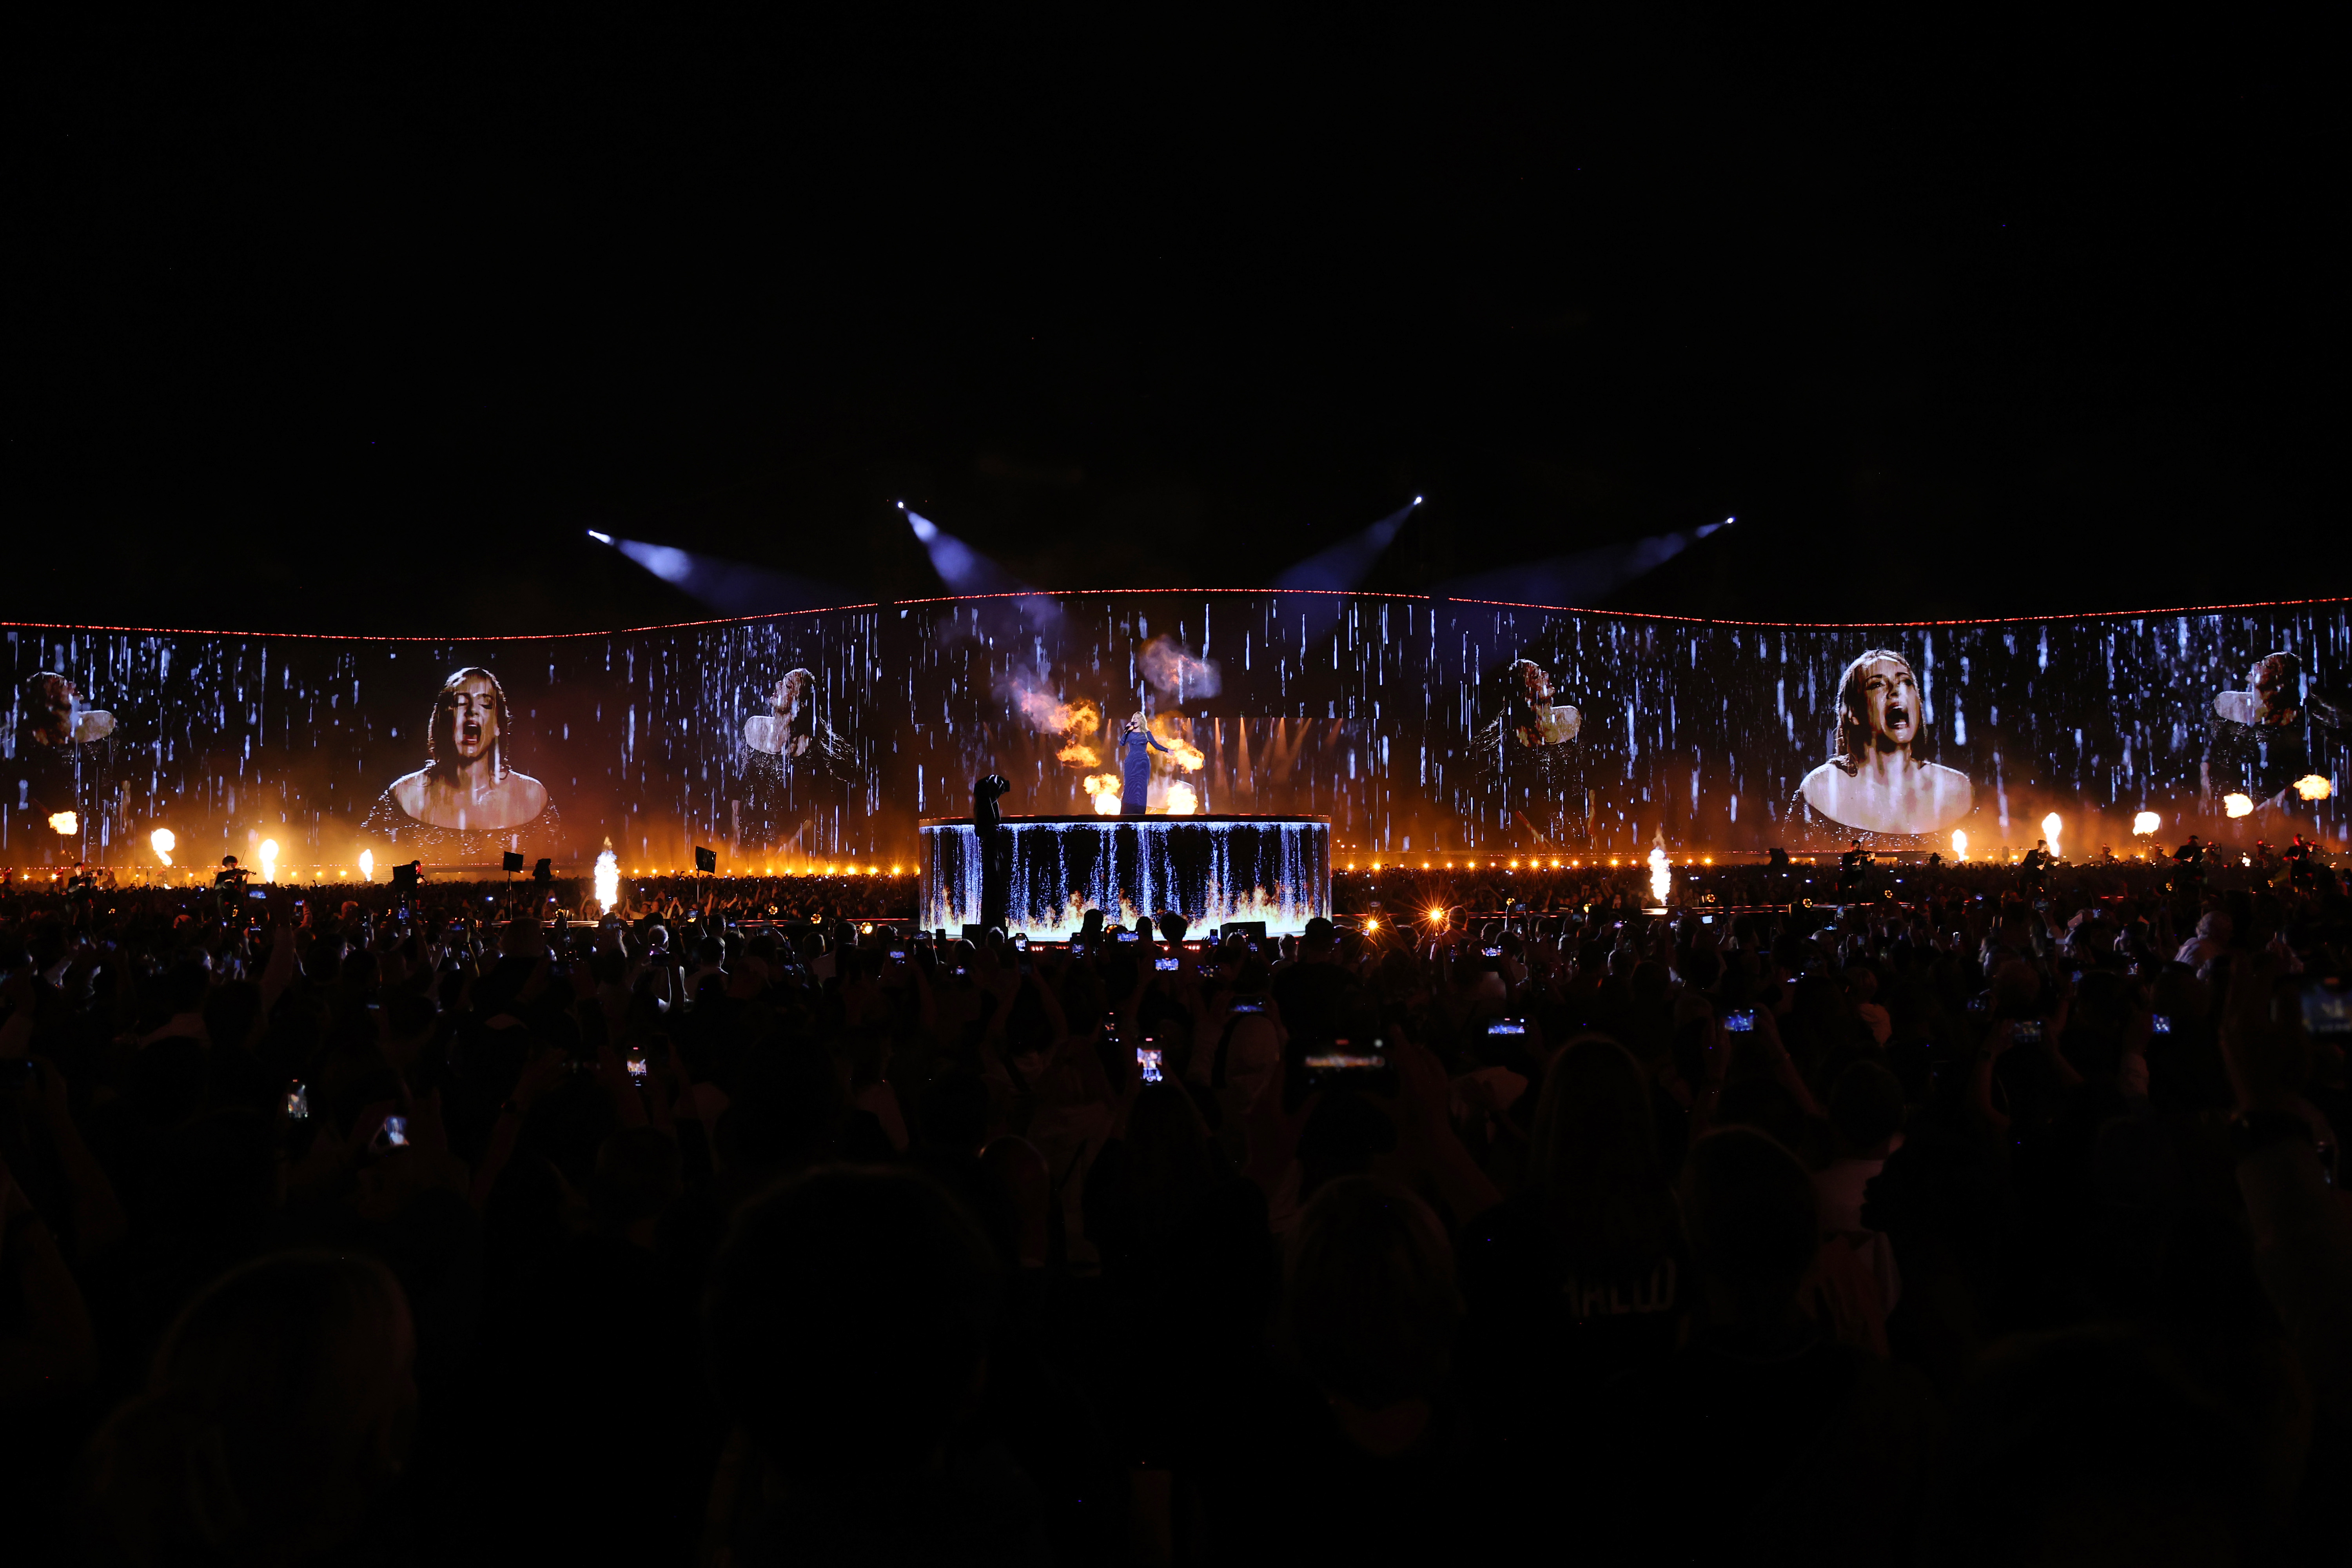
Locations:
(1416, 727)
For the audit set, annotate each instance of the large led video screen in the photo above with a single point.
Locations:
(1416, 726)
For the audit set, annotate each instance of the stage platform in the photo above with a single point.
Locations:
(1211, 869)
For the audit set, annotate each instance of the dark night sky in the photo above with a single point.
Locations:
(1957, 317)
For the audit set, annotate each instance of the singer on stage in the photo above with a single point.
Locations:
(1135, 764)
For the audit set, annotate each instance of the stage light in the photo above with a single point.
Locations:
(1371, 922)
(2146, 823)
(600, 538)
(1346, 563)
(2238, 804)
(2311, 786)
(65, 823)
(2050, 828)
(367, 865)
(1555, 865)
(963, 569)
(1960, 845)
(163, 841)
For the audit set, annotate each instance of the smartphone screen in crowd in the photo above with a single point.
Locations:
(2327, 1010)
(1507, 1026)
(1739, 1021)
(298, 1102)
(1249, 1004)
(2160, 1023)
(395, 1132)
(2026, 1032)
(1163, 963)
(1127, 936)
(1148, 1058)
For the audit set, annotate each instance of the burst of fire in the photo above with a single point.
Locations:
(1076, 723)
(1181, 801)
(65, 822)
(1104, 787)
(1960, 845)
(2238, 804)
(269, 859)
(163, 841)
(608, 878)
(2311, 786)
(2050, 827)
(1186, 756)
(2146, 823)
(367, 865)
(1660, 878)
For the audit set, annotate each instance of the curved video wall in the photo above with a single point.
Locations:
(1414, 725)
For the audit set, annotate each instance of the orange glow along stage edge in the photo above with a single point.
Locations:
(1210, 869)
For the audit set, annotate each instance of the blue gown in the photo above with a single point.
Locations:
(1135, 770)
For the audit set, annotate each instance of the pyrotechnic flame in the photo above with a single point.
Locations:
(65, 822)
(1660, 878)
(1104, 788)
(1076, 723)
(1960, 845)
(2146, 823)
(163, 841)
(367, 865)
(2050, 827)
(1050, 713)
(608, 879)
(2238, 804)
(269, 859)
(1186, 756)
(2311, 786)
(1181, 801)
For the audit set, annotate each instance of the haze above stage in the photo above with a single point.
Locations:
(1211, 869)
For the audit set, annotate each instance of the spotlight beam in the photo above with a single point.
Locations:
(1349, 561)
(1582, 577)
(963, 569)
(730, 587)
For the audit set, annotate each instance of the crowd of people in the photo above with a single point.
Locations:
(1976, 1226)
